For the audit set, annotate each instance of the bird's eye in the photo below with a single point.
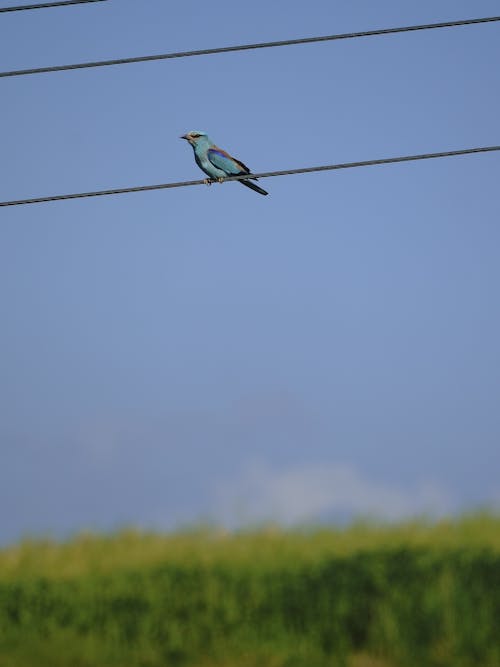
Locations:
(195, 136)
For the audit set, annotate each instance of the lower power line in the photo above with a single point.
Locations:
(267, 174)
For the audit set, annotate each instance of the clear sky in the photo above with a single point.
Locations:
(208, 353)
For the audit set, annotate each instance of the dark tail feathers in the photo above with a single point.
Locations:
(252, 186)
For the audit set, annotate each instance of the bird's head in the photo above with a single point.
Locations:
(195, 137)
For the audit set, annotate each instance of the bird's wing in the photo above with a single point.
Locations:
(222, 160)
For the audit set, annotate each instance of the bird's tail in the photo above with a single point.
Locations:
(253, 186)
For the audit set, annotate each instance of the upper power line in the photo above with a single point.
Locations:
(44, 5)
(267, 174)
(247, 47)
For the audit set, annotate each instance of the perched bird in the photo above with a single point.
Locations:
(216, 163)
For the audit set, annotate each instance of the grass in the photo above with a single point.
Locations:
(419, 593)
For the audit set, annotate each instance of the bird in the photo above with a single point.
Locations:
(217, 163)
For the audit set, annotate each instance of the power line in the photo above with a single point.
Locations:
(267, 174)
(63, 3)
(247, 47)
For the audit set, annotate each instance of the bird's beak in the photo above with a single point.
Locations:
(184, 136)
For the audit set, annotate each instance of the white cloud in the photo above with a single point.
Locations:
(313, 492)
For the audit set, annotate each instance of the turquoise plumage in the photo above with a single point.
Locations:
(216, 163)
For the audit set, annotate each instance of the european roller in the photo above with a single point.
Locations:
(216, 163)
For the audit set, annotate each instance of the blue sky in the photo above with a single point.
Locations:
(206, 353)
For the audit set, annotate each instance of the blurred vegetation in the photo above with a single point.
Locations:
(418, 593)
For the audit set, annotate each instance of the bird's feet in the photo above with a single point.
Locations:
(209, 181)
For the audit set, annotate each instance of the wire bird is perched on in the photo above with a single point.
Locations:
(216, 163)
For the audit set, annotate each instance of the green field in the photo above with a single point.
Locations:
(420, 593)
